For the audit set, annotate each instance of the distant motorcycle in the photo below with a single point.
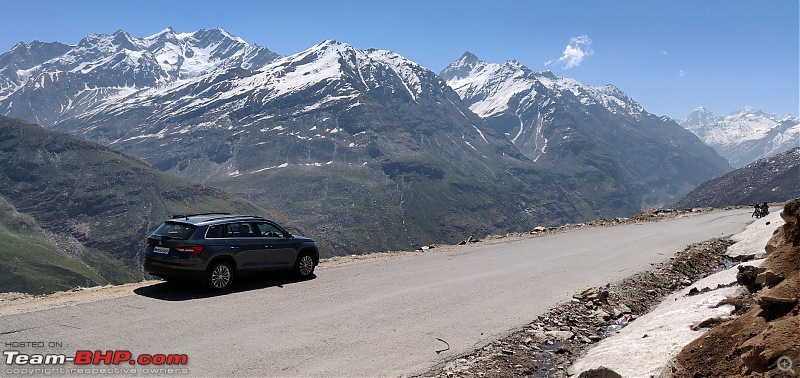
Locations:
(759, 211)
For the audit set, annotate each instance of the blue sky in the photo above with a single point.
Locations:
(670, 55)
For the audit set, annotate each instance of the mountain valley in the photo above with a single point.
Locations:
(363, 149)
(624, 156)
(77, 213)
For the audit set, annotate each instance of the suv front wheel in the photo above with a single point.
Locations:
(304, 266)
(220, 276)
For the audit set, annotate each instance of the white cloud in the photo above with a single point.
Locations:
(682, 73)
(578, 48)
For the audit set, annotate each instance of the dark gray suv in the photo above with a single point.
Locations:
(215, 248)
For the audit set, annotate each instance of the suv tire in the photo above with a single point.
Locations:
(220, 276)
(304, 266)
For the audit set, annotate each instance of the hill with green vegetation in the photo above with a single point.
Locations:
(32, 260)
(77, 213)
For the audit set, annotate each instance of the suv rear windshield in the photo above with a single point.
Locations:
(174, 230)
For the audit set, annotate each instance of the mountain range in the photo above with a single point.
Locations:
(47, 82)
(744, 136)
(598, 133)
(364, 148)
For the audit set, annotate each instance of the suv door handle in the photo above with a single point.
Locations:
(268, 246)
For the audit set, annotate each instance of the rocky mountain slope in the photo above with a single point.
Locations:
(32, 260)
(77, 213)
(744, 136)
(772, 179)
(364, 147)
(626, 156)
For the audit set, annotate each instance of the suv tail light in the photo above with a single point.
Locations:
(191, 249)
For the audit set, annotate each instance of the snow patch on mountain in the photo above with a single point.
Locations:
(116, 66)
(336, 69)
(495, 88)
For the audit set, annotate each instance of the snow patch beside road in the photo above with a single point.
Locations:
(647, 345)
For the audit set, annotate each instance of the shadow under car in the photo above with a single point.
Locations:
(183, 290)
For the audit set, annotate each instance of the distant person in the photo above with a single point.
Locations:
(764, 209)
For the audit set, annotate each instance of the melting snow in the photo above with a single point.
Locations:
(470, 144)
(353, 105)
(519, 132)
(158, 135)
(318, 164)
(284, 165)
(481, 133)
(669, 325)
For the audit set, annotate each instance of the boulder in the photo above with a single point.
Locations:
(789, 218)
(600, 372)
(769, 279)
(559, 335)
(766, 301)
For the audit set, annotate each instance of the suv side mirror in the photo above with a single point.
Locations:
(287, 235)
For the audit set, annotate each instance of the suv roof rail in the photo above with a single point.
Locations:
(176, 216)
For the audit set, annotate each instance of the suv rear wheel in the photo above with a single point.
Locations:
(220, 276)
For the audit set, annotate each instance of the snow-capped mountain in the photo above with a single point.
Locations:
(633, 158)
(365, 148)
(16, 63)
(325, 75)
(744, 136)
(46, 83)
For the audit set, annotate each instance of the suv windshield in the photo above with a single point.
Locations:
(174, 230)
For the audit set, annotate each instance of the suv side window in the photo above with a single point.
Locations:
(241, 230)
(269, 231)
(215, 232)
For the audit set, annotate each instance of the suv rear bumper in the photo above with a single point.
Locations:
(160, 269)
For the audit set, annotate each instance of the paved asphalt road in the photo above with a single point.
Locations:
(380, 317)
